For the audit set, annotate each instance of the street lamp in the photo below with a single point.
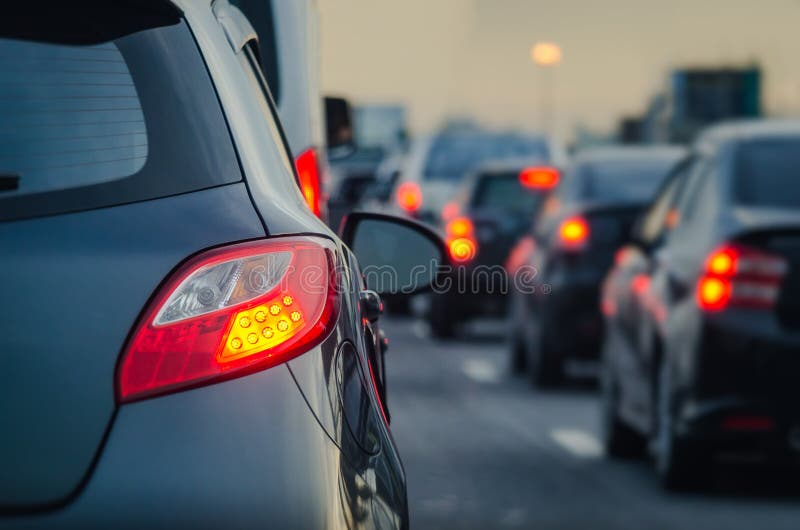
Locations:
(547, 55)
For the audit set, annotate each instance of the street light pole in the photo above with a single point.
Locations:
(547, 55)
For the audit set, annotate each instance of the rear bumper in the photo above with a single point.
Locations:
(571, 320)
(743, 387)
(240, 454)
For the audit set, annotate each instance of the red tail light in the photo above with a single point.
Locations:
(450, 210)
(574, 233)
(738, 275)
(308, 173)
(232, 311)
(539, 178)
(461, 242)
(409, 197)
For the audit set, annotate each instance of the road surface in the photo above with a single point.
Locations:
(483, 450)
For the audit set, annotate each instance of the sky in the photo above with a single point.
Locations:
(446, 58)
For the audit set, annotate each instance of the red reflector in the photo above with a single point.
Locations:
(308, 175)
(232, 311)
(539, 178)
(574, 233)
(409, 196)
(640, 284)
(748, 423)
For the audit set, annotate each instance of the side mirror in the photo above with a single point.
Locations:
(339, 124)
(397, 255)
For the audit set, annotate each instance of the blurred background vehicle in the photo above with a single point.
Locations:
(702, 309)
(212, 356)
(379, 132)
(436, 166)
(288, 38)
(493, 208)
(573, 241)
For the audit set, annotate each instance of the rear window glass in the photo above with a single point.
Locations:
(622, 180)
(768, 173)
(504, 192)
(89, 125)
(452, 157)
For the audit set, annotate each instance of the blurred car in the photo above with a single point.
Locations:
(555, 318)
(288, 39)
(436, 166)
(492, 209)
(703, 312)
(185, 343)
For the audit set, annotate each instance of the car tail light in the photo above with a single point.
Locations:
(461, 243)
(573, 234)
(409, 197)
(539, 178)
(739, 275)
(232, 311)
(307, 167)
(450, 210)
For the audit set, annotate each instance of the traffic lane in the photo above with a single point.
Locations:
(483, 450)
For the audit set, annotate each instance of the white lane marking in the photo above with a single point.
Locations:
(579, 443)
(481, 371)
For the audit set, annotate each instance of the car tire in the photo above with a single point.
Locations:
(681, 465)
(545, 368)
(441, 319)
(518, 356)
(619, 439)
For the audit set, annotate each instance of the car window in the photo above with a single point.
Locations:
(630, 180)
(453, 156)
(689, 200)
(116, 121)
(504, 192)
(766, 173)
(656, 219)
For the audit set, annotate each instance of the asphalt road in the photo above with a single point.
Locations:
(483, 450)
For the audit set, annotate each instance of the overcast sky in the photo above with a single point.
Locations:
(450, 57)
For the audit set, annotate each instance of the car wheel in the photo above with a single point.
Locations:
(517, 353)
(619, 439)
(441, 319)
(680, 464)
(545, 367)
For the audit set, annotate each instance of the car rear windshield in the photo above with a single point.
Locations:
(623, 180)
(504, 192)
(120, 112)
(768, 173)
(451, 157)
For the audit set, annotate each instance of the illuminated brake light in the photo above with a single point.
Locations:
(409, 197)
(232, 311)
(462, 249)
(539, 178)
(308, 174)
(461, 243)
(713, 294)
(574, 233)
(738, 275)
(450, 210)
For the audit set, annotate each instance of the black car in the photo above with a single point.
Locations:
(702, 307)
(184, 343)
(493, 208)
(555, 317)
